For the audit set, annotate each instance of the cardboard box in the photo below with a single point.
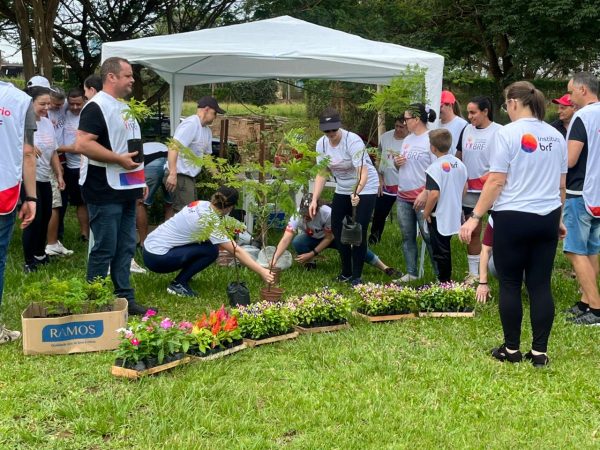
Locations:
(78, 333)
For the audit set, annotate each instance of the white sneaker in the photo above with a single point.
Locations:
(135, 268)
(7, 335)
(407, 277)
(58, 250)
(471, 279)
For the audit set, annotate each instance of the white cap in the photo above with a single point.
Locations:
(40, 81)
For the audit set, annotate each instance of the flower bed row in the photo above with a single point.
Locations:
(152, 343)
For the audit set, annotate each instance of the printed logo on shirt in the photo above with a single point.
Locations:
(4, 112)
(469, 143)
(475, 144)
(529, 143)
(446, 167)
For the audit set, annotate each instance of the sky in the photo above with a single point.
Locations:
(8, 50)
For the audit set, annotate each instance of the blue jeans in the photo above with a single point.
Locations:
(408, 219)
(113, 227)
(190, 259)
(303, 243)
(583, 229)
(155, 172)
(7, 222)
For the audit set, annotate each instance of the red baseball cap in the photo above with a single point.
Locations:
(565, 100)
(448, 98)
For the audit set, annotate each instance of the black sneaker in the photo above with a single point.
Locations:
(391, 272)
(135, 309)
(311, 265)
(537, 360)
(41, 260)
(373, 239)
(30, 268)
(181, 290)
(587, 318)
(501, 354)
(575, 310)
(356, 281)
(342, 278)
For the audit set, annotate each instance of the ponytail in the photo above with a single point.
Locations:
(225, 197)
(527, 94)
(423, 112)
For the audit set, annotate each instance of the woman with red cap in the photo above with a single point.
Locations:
(451, 119)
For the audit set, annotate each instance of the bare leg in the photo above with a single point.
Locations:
(52, 235)
(84, 221)
(141, 221)
(587, 272)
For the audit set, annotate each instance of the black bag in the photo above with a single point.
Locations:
(351, 230)
(238, 293)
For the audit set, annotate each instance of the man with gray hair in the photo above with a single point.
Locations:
(582, 206)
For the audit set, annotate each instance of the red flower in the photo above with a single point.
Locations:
(222, 314)
(216, 328)
(212, 318)
(203, 322)
(231, 324)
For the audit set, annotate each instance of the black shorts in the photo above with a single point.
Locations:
(72, 188)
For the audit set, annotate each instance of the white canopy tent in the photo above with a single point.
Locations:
(282, 47)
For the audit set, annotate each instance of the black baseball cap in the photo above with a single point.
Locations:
(330, 121)
(211, 102)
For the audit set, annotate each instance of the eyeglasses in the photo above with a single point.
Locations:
(331, 131)
(504, 106)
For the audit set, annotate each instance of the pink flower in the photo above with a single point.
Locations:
(135, 342)
(186, 325)
(150, 313)
(128, 334)
(166, 323)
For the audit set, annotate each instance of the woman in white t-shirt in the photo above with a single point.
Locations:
(356, 185)
(412, 163)
(474, 151)
(390, 145)
(526, 186)
(174, 244)
(451, 118)
(45, 145)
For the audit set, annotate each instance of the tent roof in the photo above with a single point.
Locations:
(283, 47)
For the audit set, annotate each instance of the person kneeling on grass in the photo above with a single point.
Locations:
(315, 235)
(174, 246)
(446, 182)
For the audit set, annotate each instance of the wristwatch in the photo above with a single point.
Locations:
(30, 199)
(475, 216)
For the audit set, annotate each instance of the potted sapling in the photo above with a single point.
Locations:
(136, 112)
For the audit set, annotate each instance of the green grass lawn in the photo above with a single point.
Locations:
(291, 110)
(424, 383)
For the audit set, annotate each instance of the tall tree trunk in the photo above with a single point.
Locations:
(22, 16)
(44, 13)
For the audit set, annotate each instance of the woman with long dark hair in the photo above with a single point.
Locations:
(45, 145)
(526, 186)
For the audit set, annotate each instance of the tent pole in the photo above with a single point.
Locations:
(380, 119)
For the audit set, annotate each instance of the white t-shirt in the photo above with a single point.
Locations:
(182, 229)
(69, 134)
(455, 126)
(476, 154)
(57, 117)
(315, 228)
(154, 147)
(533, 155)
(198, 138)
(450, 174)
(344, 160)
(390, 146)
(411, 176)
(45, 140)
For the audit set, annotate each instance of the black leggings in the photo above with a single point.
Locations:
(34, 236)
(525, 242)
(383, 206)
(352, 257)
(190, 259)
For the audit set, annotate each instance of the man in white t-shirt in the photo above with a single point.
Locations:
(450, 118)
(193, 133)
(582, 206)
